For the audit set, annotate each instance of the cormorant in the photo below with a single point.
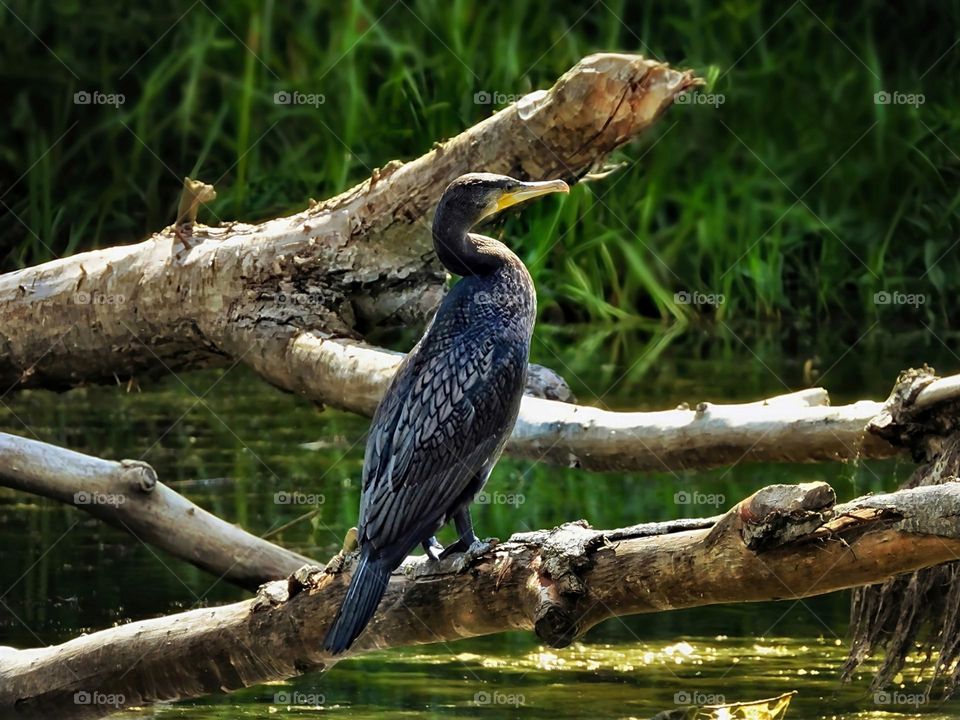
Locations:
(443, 422)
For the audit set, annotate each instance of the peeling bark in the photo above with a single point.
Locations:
(558, 582)
(360, 259)
(922, 415)
(797, 427)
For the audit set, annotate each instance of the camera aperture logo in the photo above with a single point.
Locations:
(295, 298)
(714, 100)
(295, 697)
(85, 497)
(496, 697)
(98, 298)
(693, 497)
(895, 697)
(500, 498)
(83, 97)
(295, 497)
(685, 297)
(94, 697)
(885, 297)
(487, 97)
(499, 298)
(697, 698)
(884, 97)
(284, 97)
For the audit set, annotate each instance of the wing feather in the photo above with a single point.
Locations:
(444, 419)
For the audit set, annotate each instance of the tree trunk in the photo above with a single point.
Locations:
(245, 293)
(782, 542)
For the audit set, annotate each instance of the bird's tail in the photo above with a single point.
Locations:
(367, 586)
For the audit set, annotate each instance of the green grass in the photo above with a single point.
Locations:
(707, 203)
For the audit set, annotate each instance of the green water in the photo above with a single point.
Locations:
(62, 572)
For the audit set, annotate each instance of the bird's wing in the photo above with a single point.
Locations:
(446, 414)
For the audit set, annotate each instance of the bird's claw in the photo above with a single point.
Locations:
(434, 553)
(433, 549)
(460, 546)
(476, 550)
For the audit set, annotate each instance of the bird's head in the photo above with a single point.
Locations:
(478, 196)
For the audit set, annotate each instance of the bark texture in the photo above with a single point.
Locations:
(782, 542)
(921, 416)
(797, 427)
(127, 495)
(245, 292)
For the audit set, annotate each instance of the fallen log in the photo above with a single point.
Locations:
(128, 496)
(783, 542)
(797, 427)
(364, 258)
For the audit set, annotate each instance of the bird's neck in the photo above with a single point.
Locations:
(462, 252)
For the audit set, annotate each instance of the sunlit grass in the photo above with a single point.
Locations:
(797, 196)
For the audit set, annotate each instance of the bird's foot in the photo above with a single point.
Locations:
(433, 549)
(475, 550)
(460, 546)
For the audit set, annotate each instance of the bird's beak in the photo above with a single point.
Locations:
(527, 191)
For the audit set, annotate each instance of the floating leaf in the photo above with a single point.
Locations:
(768, 709)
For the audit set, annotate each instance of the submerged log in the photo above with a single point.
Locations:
(782, 542)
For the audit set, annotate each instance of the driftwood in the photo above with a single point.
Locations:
(246, 293)
(128, 495)
(793, 427)
(782, 542)
(798, 427)
(920, 607)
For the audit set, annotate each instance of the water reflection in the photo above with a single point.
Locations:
(279, 467)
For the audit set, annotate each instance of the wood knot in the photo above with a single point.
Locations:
(138, 475)
(305, 578)
(779, 514)
(556, 625)
(270, 595)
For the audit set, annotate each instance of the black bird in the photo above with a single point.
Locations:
(443, 422)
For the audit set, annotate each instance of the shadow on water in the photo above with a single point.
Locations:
(264, 459)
